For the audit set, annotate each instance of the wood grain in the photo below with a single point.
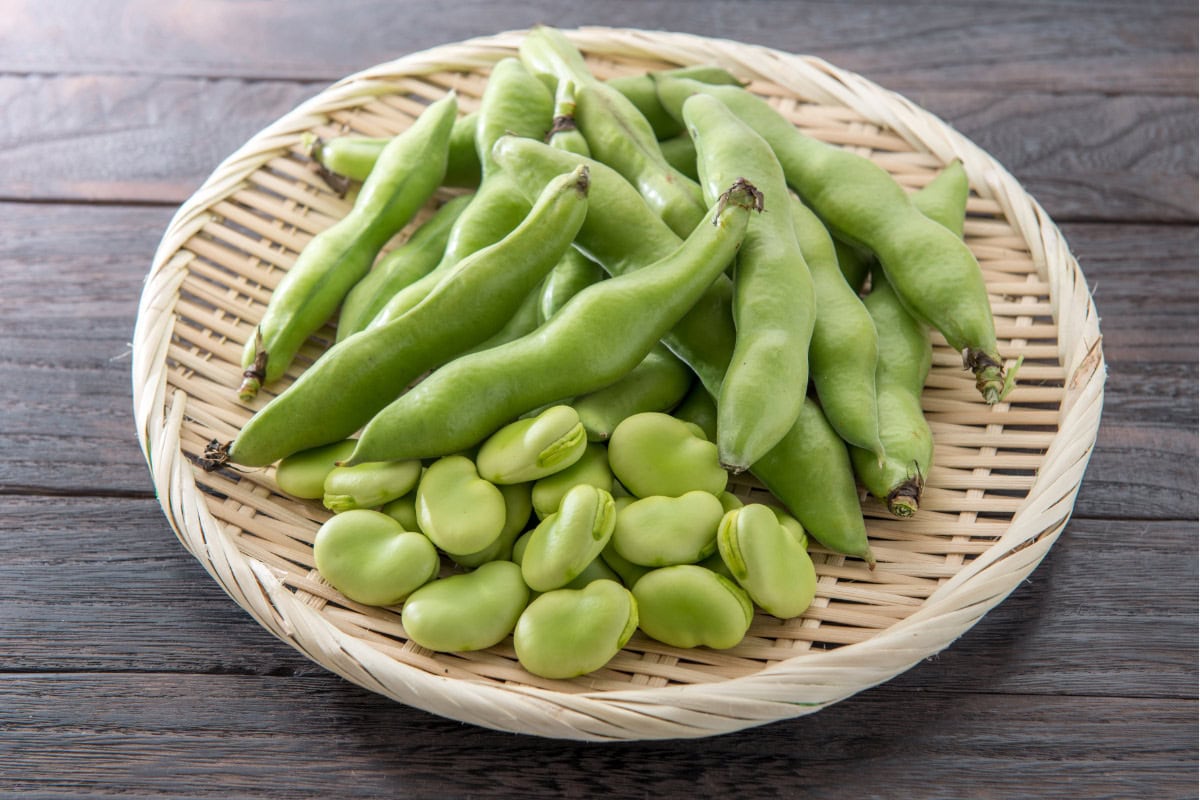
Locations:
(121, 733)
(1062, 46)
(126, 671)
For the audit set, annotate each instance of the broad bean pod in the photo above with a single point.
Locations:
(622, 234)
(774, 303)
(809, 470)
(898, 479)
(360, 375)
(410, 170)
(600, 335)
(845, 346)
(934, 273)
(397, 269)
(616, 132)
(639, 90)
(905, 355)
(351, 158)
(515, 103)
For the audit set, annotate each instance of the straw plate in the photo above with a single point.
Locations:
(1001, 492)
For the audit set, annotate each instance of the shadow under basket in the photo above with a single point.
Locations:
(1002, 488)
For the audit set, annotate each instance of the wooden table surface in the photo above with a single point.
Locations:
(124, 670)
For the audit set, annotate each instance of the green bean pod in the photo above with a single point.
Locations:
(399, 268)
(353, 157)
(774, 306)
(898, 481)
(600, 335)
(523, 321)
(616, 132)
(410, 169)
(514, 102)
(932, 270)
(845, 347)
(905, 355)
(360, 375)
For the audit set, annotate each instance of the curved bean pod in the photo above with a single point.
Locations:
(410, 169)
(905, 355)
(600, 335)
(353, 157)
(570, 276)
(774, 305)
(932, 270)
(360, 375)
(845, 347)
(616, 132)
(514, 102)
(899, 479)
(639, 90)
(399, 268)
(703, 338)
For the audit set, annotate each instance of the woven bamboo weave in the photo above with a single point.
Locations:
(1001, 491)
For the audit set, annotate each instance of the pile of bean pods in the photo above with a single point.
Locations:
(639, 287)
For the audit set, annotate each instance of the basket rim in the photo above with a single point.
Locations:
(678, 711)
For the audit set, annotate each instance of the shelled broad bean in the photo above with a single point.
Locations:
(571, 522)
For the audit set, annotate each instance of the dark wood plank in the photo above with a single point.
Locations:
(72, 277)
(217, 736)
(148, 139)
(136, 139)
(82, 581)
(1130, 47)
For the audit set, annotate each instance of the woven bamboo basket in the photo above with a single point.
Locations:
(1001, 491)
